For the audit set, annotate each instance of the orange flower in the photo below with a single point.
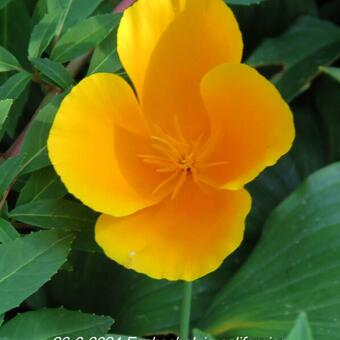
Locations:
(167, 167)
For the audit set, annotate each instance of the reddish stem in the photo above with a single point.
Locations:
(124, 4)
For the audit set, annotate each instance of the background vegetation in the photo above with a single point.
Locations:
(54, 280)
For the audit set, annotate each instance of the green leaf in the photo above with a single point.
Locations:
(301, 329)
(50, 324)
(43, 184)
(53, 72)
(8, 62)
(294, 267)
(334, 72)
(14, 36)
(55, 214)
(9, 170)
(42, 34)
(4, 3)
(15, 85)
(28, 262)
(121, 337)
(34, 146)
(5, 106)
(105, 57)
(7, 232)
(140, 305)
(199, 335)
(72, 11)
(244, 2)
(85, 35)
(309, 44)
(328, 102)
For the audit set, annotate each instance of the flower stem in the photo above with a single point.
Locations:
(185, 312)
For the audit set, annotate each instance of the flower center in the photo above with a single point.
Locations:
(178, 158)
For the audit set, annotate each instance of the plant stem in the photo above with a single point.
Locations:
(185, 311)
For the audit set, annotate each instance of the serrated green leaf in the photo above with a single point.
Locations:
(34, 259)
(309, 44)
(49, 324)
(15, 85)
(301, 329)
(294, 267)
(5, 106)
(42, 34)
(105, 57)
(43, 184)
(8, 62)
(7, 232)
(60, 213)
(85, 35)
(333, 72)
(53, 72)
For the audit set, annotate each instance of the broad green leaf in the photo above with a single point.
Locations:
(105, 57)
(85, 35)
(42, 34)
(294, 267)
(15, 85)
(199, 335)
(9, 170)
(301, 329)
(307, 155)
(8, 62)
(34, 259)
(328, 103)
(139, 305)
(72, 11)
(43, 184)
(7, 232)
(50, 324)
(34, 146)
(333, 72)
(309, 44)
(60, 213)
(5, 106)
(53, 72)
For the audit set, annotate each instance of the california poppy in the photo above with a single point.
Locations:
(166, 164)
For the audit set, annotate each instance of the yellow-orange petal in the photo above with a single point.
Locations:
(140, 28)
(81, 144)
(251, 124)
(180, 239)
(202, 35)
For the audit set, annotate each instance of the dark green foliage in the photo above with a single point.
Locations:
(284, 280)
